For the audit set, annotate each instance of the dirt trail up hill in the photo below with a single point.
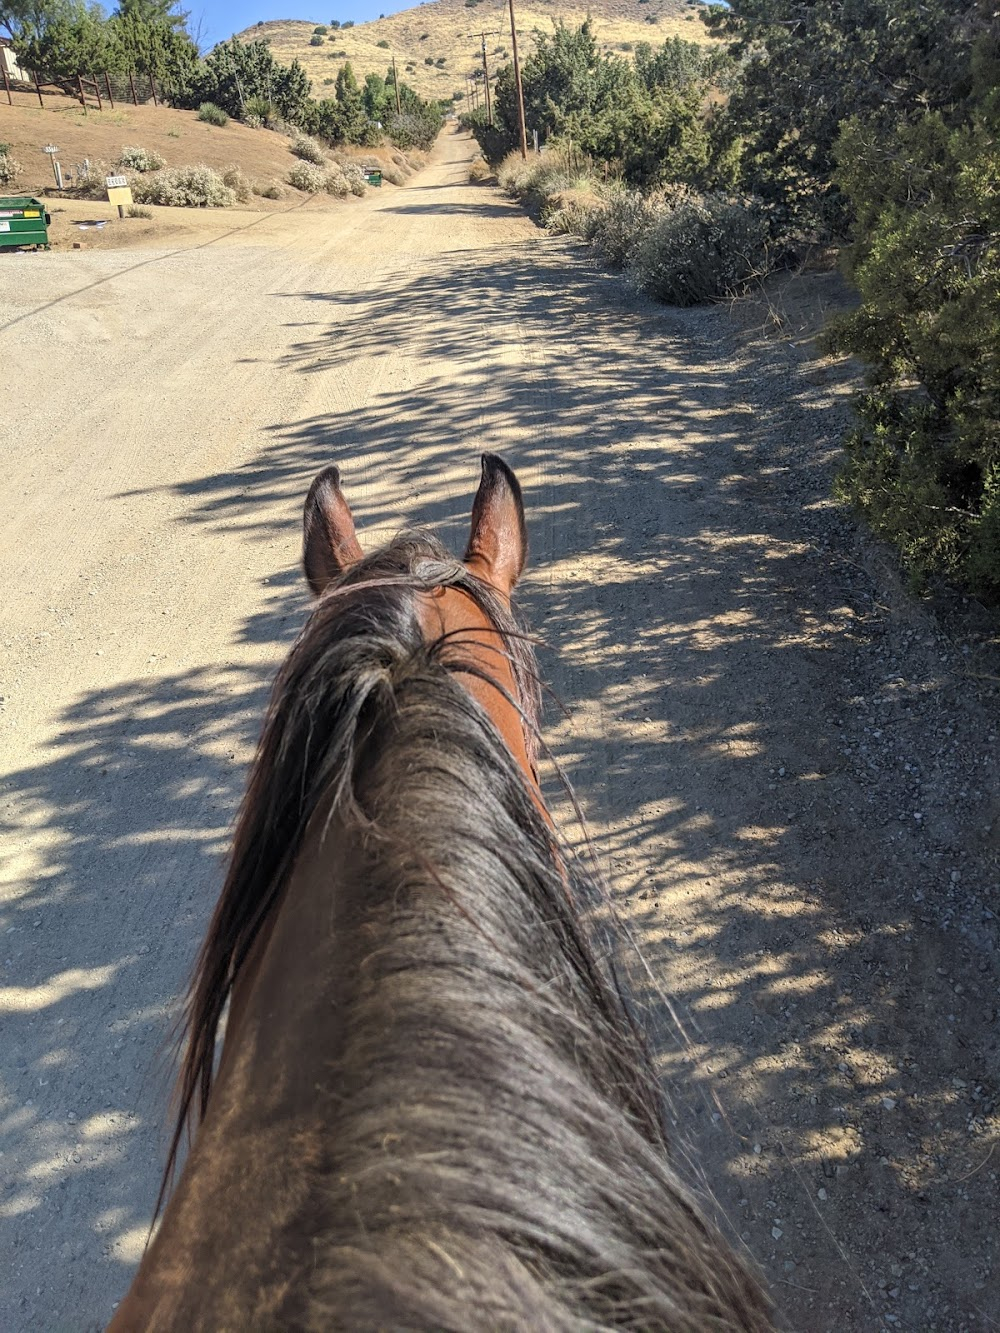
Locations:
(788, 768)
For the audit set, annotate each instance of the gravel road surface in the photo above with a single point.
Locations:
(788, 767)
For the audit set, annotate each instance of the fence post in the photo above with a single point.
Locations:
(107, 84)
(97, 93)
(6, 81)
(83, 100)
(152, 89)
(38, 89)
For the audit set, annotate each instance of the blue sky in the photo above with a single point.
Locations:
(221, 19)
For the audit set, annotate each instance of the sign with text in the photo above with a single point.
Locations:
(115, 182)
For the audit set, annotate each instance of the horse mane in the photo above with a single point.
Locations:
(338, 671)
(485, 1035)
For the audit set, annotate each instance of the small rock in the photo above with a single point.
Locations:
(889, 1103)
(822, 1195)
(777, 1233)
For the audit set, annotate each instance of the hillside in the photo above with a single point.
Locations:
(438, 31)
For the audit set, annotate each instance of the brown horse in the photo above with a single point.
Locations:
(432, 1108)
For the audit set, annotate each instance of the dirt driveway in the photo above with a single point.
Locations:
(789, 769)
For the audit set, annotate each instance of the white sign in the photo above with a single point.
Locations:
(4, 226)
(50, 148)
(115, 182)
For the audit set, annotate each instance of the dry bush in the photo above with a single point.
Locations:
(479, 171)
(336, 183)
(616, 228)
(10, 168)
(134, 211)
(307, 178)
(569, 212)
(305, 147)
(184, 187)
(355, 177)
(133, 158)
(91, 184)
(701, 248)
(393, 175)
(234, 177)
(268, 190)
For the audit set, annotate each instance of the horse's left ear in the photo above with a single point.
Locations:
(498, 542)
(331, 543)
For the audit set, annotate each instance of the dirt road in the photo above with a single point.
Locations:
(788, 768)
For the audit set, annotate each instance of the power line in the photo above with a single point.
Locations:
(486, 72)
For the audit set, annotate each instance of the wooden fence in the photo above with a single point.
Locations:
(91, 90)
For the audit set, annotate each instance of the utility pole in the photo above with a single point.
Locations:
(486, 72)
(395, 84)
(517, 80)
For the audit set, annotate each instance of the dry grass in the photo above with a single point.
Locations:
(479, 171)
(441, 27)
(177, 136)
(240, 155)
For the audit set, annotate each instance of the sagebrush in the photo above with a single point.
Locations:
(305, 147)
(133, 158)
(10, 168)
(184, 187)
(304, 176)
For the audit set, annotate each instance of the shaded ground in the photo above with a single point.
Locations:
(788, 768)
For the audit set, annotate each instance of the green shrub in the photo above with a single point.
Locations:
(305, 147)
(315, 41)
(320, 30)
(184, 187)
(306, 177)
(212, 114)
(415, 129)
(702, 248)
(923, 465)
(10, 168)
(383, 43)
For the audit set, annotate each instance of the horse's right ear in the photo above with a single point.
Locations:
(331, 545)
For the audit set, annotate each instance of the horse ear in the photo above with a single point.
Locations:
(331, 545)
(498, 542)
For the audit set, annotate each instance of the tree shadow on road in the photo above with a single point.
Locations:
(700, 631)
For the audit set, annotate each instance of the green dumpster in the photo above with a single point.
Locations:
(373, 176)
(23, 221)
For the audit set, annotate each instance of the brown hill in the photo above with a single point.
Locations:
(434, 51)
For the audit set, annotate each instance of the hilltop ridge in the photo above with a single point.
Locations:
(434, 51)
